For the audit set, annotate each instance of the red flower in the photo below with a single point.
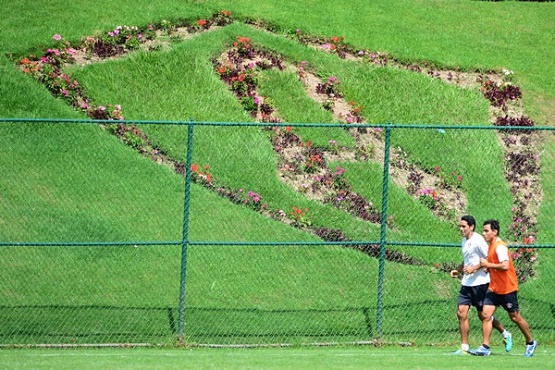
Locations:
(201, 22)
(194, 167)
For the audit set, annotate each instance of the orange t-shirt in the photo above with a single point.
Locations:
(502, 282)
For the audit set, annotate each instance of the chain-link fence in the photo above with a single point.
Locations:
(260, 234)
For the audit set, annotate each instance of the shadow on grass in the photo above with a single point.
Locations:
(427, 321)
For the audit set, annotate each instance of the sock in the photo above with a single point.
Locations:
(530, 343)
(505, 333)
(485, 346)
(464, 347)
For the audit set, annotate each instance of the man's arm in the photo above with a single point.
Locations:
(503, 266)
(471, 269)
(455, 273)
(502, 255)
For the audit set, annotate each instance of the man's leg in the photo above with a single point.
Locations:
(464, 326)
(487, 324)
(484, 350)
(497, 324)
(531, 344)
(522, 325)
(507, 336)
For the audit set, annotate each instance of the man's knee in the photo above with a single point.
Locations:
(462, 313)
(515, 316)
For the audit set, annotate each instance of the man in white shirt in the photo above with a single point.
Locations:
(474, 283)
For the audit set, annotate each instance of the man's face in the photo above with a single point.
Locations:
(489, 234)
(465, 229)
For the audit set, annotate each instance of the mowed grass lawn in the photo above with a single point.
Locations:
(271, 358)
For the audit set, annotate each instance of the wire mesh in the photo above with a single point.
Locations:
(284, 239)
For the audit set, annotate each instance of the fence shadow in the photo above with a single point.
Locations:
(111, 324)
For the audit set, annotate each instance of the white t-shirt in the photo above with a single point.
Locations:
(472, 250)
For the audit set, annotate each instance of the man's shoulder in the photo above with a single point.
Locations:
(478, 239)
(500, 243)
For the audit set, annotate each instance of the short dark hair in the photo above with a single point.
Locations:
(470, 220)
(494, 224)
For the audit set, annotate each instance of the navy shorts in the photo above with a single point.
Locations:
(472, 296)
(508, 301)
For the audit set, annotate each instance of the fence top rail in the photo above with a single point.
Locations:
(388, 125)
(253, 243)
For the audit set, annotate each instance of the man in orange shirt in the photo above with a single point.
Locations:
(503, 289)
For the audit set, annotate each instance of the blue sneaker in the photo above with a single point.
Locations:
(480, 351)
(508, 342)
(530, 348)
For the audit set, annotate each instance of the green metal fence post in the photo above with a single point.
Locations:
(383, 230)
(185, 240)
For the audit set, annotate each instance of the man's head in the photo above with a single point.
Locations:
(467, 224)
(491, 230)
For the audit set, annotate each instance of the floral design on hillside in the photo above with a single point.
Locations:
(302, 165)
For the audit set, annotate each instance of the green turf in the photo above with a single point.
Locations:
(362, 357)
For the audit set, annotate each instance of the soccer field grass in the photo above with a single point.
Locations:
(271, 358)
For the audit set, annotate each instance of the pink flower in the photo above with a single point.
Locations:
(339, 171)
(57, 37)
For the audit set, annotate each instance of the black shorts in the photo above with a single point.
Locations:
(472, 296)
(508, 301)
